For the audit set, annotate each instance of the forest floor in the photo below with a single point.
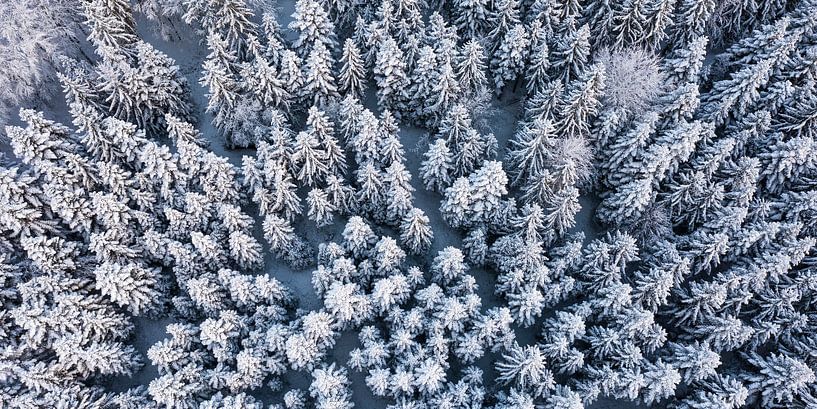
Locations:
(189, 54)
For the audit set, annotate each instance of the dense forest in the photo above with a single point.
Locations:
(408, 204)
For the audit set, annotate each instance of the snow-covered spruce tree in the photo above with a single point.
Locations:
(436, 168)
(285, 243)
(330, 388)
(319, 80)
(508, 63)
(142, 87)
(320, 208)
(319, 125)
(571, 52)
(390, 75)
(471, 68)
(261, 79)
(312, 24)
(471, 17)
(113, 29)
(352, 73)
(231, 19)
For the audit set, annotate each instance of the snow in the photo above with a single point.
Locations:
(189, 55)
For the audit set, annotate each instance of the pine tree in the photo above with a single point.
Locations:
(341, 195)
(779, 378)
(113, 29)
(352, 74)
(475, 245)
(471, 17)
(503, 16)
(415, 231)
(691, 19)
(320, 125)
(629, 23)
(472, 149)
(658, 21)
(509, 60)
(536, 76)
(660, 381)
(371, 193)
(598, 15)
(561, 210)
(437, 166)
(222, 85)
(132, 286)
(311, 21)
(471, 68)
(525, 367)
(245, 250)
(444, 92)
(581, 103)
(719, 392)
(390, 74)
(422, 81)
(366, 140)
(397, 179)
(320, 208)
(696, 362)
(261, 79)
(349, 109)
(291, 73)
(736, 95)
(487, 185)
(529, 149)
(309, 159)
(319, 82)
(283, 199)
(391, 149)
(278, 232)
(571, 54)
(457, 202)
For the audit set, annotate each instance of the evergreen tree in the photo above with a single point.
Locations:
(471, 68)
(571, 54)
(736, 95)
(471, 17)
(658, 21)
(313, 25)
(422, 81)
(437, 166)
(113, 29)
(415, 231)
(320, 208)
(487, 184)
(309, 159)
(261, 79)
(536, 76)
(529, 150)
(561, 210)
(390, 74)
(445, 91)
(509, 60)
(318, 79)
(352, 74)
(692, 17)
(630, 23)
(318, 124)
(503, 16)
(581, 103)
(780, 378)
(457, 203)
